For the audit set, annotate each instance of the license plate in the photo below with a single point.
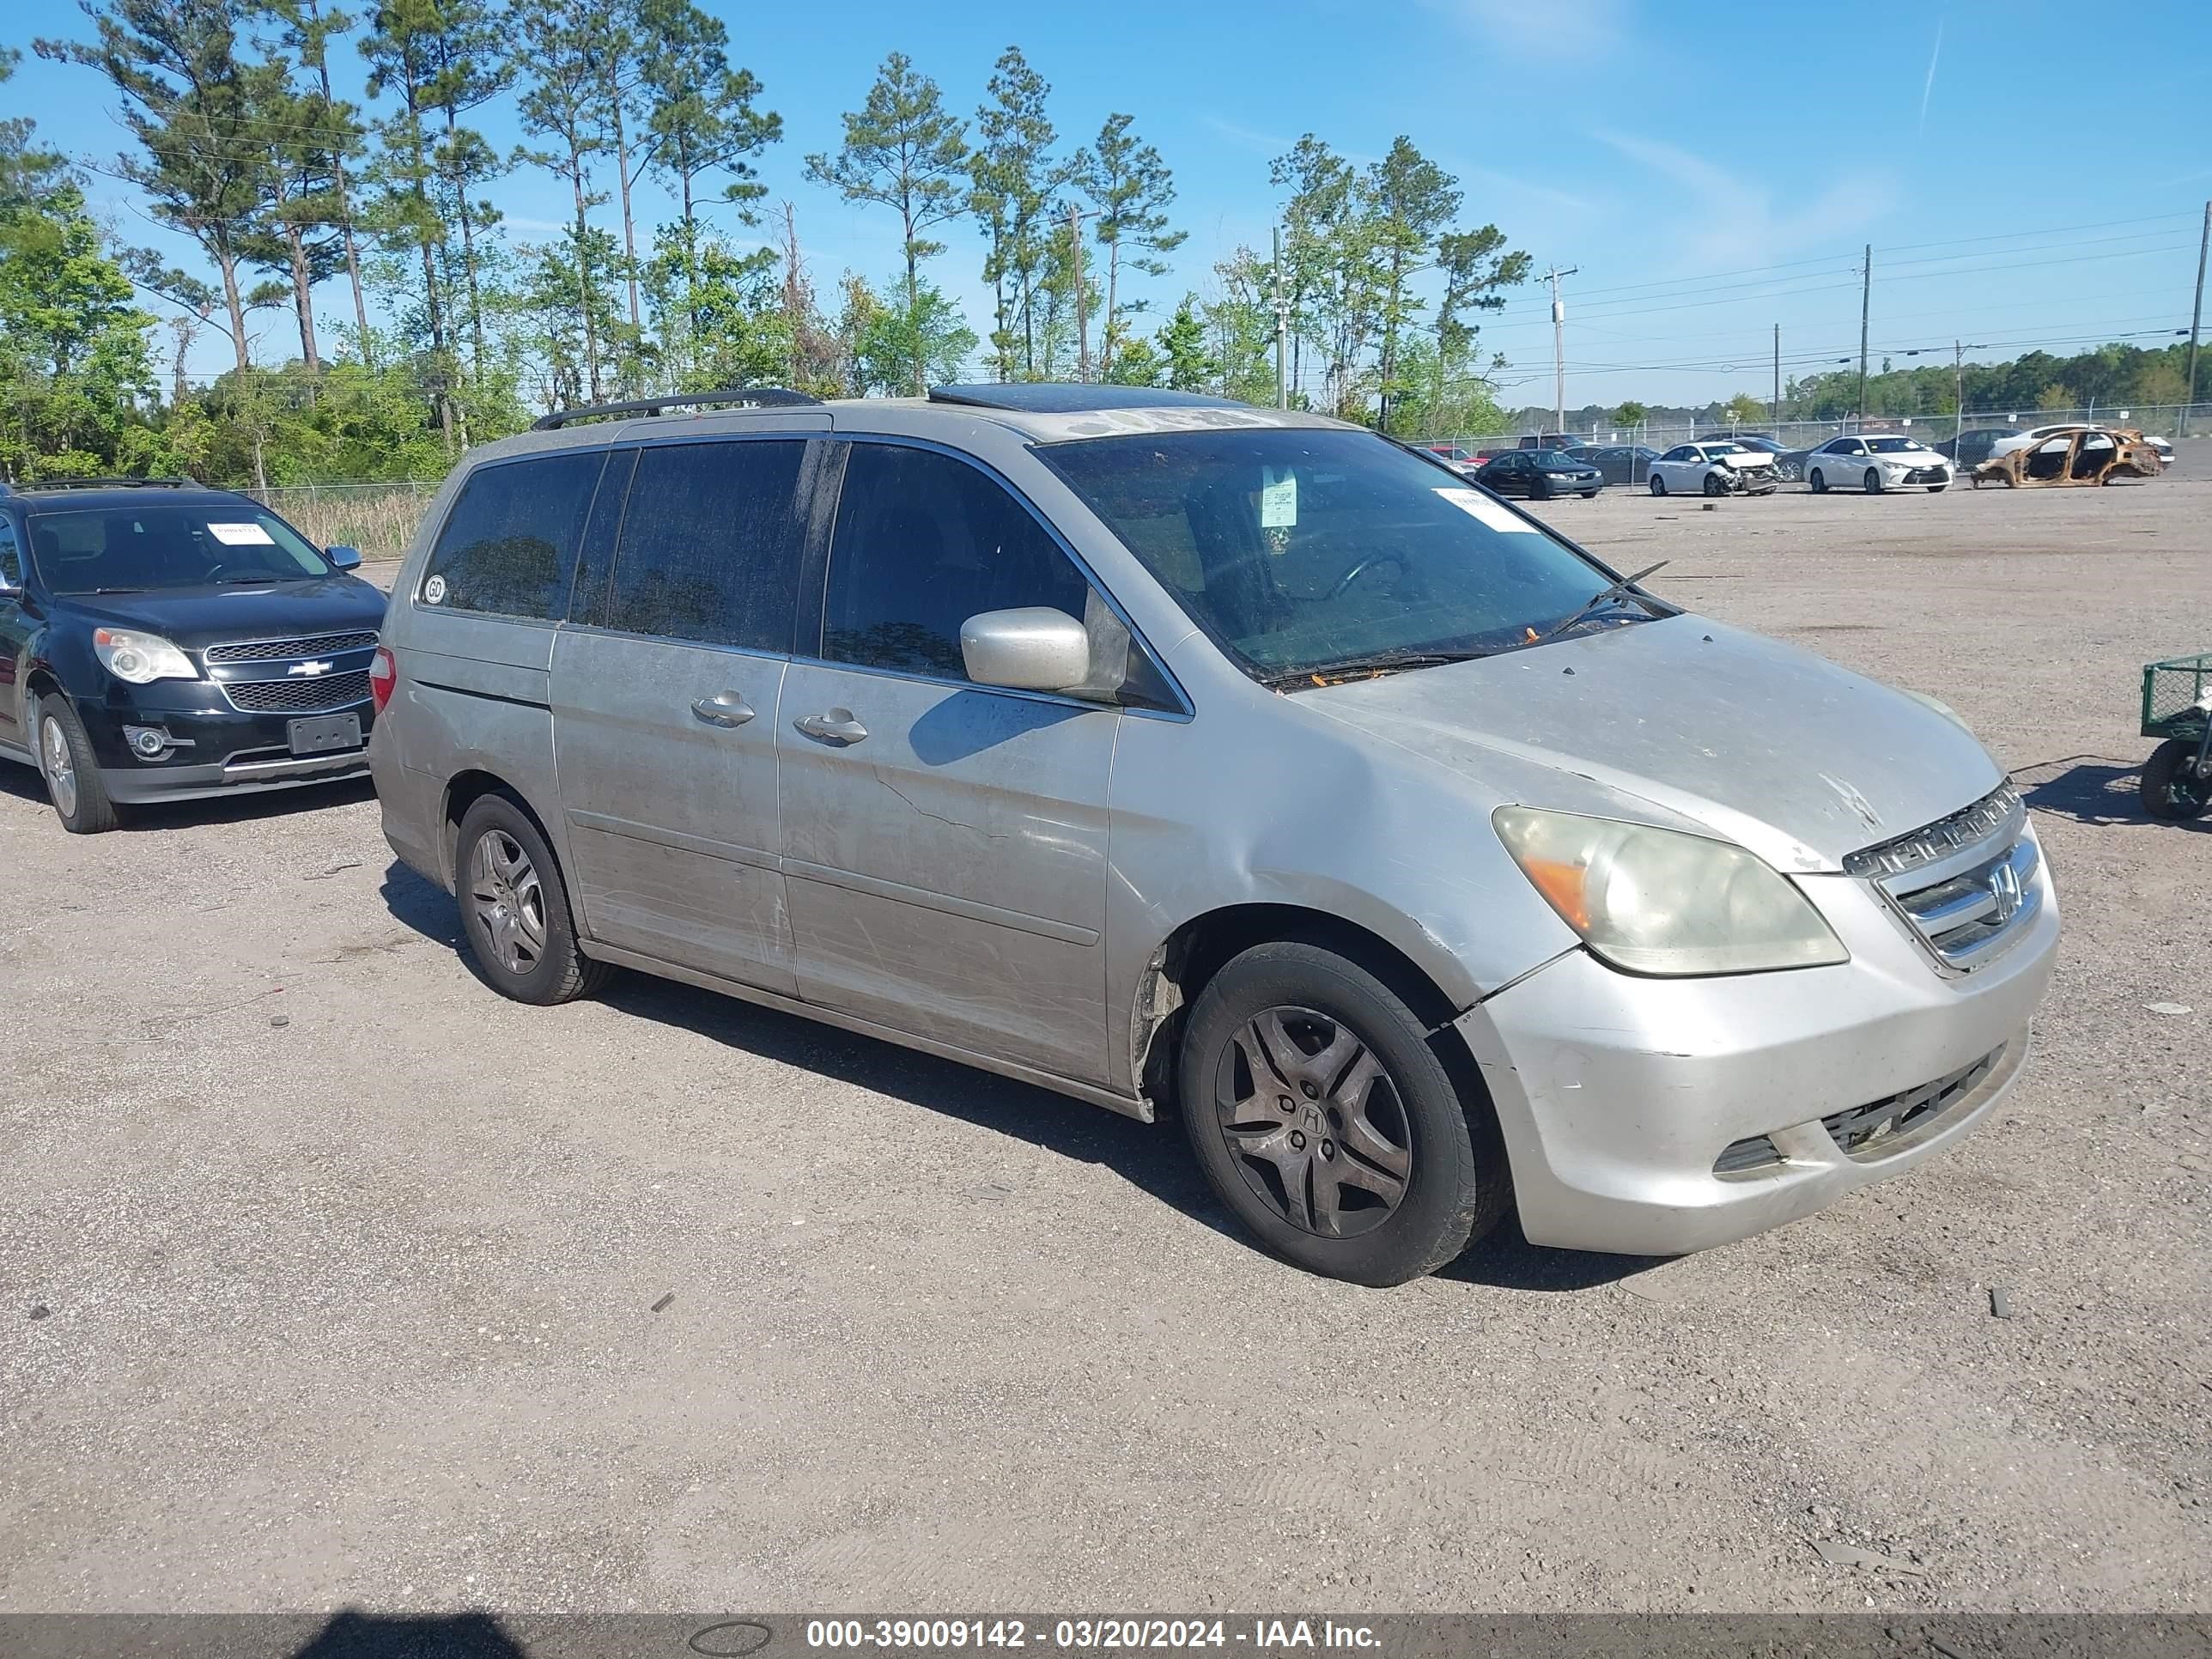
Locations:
(324, 733)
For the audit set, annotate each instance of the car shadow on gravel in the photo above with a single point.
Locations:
(2091, 790)
(353, 1634)
(1152, 1156)
(26, 785)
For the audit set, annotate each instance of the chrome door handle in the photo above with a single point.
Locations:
(725, 709)
(837, 726)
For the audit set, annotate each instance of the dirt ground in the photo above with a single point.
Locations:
(328, 1276)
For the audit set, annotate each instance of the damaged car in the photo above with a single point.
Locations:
(1724, 467)
(1231, 766)
(2070, 455)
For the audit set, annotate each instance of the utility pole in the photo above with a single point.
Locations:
(1774, 411)
(1282, 328)
(1559, 348)
(1866, 306)
(2196, 317)
(1082, 329)
(1959, 369)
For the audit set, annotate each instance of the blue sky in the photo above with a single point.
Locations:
(1711, 172)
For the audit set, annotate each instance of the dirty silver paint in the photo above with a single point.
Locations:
(1001, 876)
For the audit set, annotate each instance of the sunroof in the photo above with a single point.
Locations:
(1056, 398)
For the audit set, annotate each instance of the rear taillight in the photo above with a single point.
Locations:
(383, 676)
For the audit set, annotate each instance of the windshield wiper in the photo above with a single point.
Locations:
(111, 590)
(1383, 662)
(1623, 589)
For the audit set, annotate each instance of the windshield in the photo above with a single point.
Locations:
(1300, 550)
(1890, 446)
(1555, 457)
(168, 545)
(1725, 449)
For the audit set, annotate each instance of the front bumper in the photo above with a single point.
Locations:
(1916, 477)
(1749, 482)
(218, 750)
(1617, 1095)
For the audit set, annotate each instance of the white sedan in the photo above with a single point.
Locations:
(1882, 461)
(1713, 469)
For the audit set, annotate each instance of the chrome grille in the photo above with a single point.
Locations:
(313, 645)
(1968, 885)
(298, 697)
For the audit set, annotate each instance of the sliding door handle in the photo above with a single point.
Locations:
(837, 726)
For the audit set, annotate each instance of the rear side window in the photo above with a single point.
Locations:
(11, 555)
(923, 542)
(710, 544)
(509, 546)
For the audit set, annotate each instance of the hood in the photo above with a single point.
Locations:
(1685, 723)
(196, 617)
(1754, 458)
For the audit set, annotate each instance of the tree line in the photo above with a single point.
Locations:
(454, 331)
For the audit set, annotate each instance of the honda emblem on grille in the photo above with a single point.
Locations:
(2004, 888)
(310, 669)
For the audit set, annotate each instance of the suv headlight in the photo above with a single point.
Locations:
(1663, 902)
(139, 658)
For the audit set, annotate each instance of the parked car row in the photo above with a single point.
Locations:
(1108, 754)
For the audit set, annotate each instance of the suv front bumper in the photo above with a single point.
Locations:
(1617, 1095)
(216, 750)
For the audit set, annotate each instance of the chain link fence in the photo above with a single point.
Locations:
(2173, 421)
(379, 518)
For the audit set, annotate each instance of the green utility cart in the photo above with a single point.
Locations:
(2177, 707)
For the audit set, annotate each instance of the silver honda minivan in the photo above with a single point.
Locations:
(1175, 754)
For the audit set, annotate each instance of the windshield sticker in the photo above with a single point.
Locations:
(241, 535)
(1279, 499)
(1481, 507)
(434, 591)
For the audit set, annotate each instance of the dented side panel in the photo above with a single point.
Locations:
(946, 874)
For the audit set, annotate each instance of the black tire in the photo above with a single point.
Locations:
(1408, 1111)
(1540, 491)
(1819, 480)
(1937, 490)
(549, 968)
(2171, 788)
(91, 810)
(1714, 486)
(1658, 484)
(1872, 481)
(1589, 494)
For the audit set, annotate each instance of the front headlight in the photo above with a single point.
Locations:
(1660, 901)
(139, 658)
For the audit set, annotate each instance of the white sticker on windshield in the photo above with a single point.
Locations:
(1279, 499)
(241, 535)
(1481, 507)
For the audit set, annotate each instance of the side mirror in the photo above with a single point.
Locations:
(1034, 648)
(345, 558)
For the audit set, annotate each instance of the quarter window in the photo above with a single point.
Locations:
(710, 544)
(509, 545)
(923, 542)
(11, 555)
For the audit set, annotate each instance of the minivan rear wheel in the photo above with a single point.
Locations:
(1326, 1121)
(514, 908)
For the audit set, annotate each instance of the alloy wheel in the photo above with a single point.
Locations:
(1314, 1122)
(509, 901)
(60, 768)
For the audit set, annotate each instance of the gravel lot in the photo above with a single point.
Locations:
(328, 1274)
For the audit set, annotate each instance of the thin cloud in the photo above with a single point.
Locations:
(1263, 143)
(1729, 222)
(1518, 27)
(1929, 87)
(1506, 181)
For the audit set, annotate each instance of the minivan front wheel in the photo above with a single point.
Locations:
(514, 908)
(1324, 1118)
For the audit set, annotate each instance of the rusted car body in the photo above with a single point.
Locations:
(2088, 455)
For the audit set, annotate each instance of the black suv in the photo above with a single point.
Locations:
(160, 641)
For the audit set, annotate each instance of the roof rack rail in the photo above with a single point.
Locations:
(105, 484)
(760, 396)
